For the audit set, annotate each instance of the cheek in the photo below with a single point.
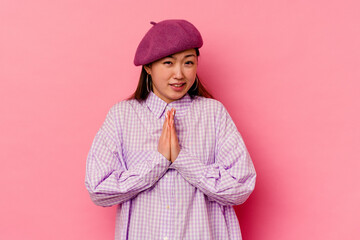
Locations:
(158, 79)
(158, 82)
(191, 75)
(161, 74)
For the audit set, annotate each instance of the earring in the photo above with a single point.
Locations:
(197, 82)
(147, 82)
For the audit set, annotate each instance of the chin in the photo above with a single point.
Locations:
(177, 96)
(172, 98)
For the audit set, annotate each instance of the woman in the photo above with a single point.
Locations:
(170, 157)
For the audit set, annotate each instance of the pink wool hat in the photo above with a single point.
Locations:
(165, 38)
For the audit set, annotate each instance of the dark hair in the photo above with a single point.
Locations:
(141, 92)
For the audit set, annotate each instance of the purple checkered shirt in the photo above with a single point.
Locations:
(191, 198)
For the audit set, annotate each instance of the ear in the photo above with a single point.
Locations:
(148, 69)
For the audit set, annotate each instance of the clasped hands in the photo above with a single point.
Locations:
(168, 143)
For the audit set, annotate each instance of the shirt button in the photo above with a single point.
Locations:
(166, 238)
(167, 206)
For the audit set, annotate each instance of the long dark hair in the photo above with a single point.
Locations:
(141, 92)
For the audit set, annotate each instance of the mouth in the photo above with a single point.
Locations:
(177, 86)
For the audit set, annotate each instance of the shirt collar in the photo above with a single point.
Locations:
(158, 106)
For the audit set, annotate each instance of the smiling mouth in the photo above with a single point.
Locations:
(177, 85)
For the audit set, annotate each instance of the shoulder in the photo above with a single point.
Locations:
(125, 108)
(212, 109)
(208, 105)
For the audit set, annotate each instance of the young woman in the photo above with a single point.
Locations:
(170, 157)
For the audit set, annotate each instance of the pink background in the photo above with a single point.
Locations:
(287, 71)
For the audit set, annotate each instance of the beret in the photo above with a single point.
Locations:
(166, 38)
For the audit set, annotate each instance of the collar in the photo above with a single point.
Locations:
(158, 106)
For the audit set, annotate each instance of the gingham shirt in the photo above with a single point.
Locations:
(191, 198)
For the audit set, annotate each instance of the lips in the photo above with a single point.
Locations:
(178, 86)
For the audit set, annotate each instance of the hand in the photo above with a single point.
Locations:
(174, 142)
(168, 143)
(164, 141)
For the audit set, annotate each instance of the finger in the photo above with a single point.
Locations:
(167, 129)
(167, 141)
(165, 120)
(164, 146)
(173, 129)
(175, 147)
(172, 116)
(169, 118)
(172, 123)
(174, 137)
(166, 133)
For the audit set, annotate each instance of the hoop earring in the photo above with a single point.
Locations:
(197, 82)
(147, 82)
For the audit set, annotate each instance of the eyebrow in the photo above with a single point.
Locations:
(189, 55)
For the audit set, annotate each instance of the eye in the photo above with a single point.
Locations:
(167, 62)
(189, 63)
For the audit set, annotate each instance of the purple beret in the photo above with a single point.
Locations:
(165, 38)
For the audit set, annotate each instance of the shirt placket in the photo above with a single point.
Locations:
(167, 227)
(169, 210)
(168, 206)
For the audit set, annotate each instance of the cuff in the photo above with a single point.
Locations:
(155, 168)
(189, 166)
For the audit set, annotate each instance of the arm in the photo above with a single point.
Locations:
(231, 178)
(108, 180)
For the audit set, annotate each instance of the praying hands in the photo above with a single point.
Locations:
(168, 143)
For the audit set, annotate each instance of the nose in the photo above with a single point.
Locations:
(178, 72)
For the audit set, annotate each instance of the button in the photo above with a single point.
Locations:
(166, 238)
(167, 206)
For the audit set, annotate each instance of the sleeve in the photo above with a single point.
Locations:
(107, 179)
(231, 178)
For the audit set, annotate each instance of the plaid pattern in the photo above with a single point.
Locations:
(191, 198)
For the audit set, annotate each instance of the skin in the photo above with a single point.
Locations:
(172, 77)
(179, 68)
(168, 142)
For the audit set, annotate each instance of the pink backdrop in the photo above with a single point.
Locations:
(287, 71)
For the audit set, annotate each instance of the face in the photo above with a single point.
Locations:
(174, 75)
